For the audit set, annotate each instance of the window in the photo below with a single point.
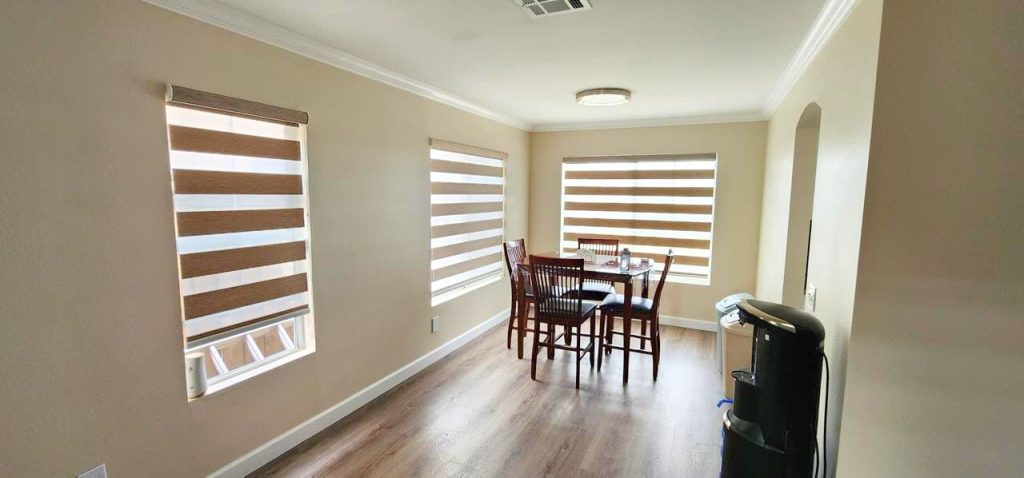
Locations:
(238, 173)
(467, 218)
(649, 203)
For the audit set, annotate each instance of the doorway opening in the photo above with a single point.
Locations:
(801, 205)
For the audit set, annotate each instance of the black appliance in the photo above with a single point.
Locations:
(771, 429)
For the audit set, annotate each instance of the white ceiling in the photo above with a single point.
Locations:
(684, 60)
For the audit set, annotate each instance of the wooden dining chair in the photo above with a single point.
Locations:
(515, 254)
(598, 290)
(552, 277)
(644, 310)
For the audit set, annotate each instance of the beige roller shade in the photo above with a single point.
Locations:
(214, 262)
(649, 203)
(190, 98)
(238, 176)
(467, 221)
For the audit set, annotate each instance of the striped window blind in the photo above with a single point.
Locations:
(467, 217)
(649, 203)
(238, 175)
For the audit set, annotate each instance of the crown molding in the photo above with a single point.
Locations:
(744, 117)
(825, 25)
(244, 24)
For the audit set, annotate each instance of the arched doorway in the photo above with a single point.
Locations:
(801, 205)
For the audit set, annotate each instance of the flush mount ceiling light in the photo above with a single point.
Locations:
(603, 97)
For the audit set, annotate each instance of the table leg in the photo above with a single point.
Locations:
(627, 321)
(551, 340)
(523, 315)
(643, 324)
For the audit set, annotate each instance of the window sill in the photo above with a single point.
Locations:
(459, 292)
(678, 279)
(227, 383)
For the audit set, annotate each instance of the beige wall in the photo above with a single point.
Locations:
(936, 365)
(841, 81)
(90, 318)
(90, 321)
(740, 148)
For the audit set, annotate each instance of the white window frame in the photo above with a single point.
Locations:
(486, 278)
(673, 277)
(303, 341)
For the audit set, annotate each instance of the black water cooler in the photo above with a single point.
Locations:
(770, 431)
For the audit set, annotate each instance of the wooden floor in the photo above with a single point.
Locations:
(477, 413)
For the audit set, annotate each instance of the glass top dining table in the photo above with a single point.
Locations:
(603, 268)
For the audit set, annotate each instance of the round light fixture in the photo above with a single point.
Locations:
(603, 97)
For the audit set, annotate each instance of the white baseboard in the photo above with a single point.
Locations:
(687, 323)
(286, 441)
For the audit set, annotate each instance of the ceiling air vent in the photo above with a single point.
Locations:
(544, 8)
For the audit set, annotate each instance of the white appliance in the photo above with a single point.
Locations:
(722, 308)
(195, 374)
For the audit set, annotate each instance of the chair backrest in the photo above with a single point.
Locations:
(552, 279)
(603, 247)
(661, 281)
(515, 254)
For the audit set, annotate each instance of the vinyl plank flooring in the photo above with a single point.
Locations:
(476, 413)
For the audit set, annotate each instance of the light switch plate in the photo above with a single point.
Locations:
(98, 472)
(810, 298)
(435, 324)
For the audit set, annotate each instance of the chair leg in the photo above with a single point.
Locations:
(608, 332)
(600, 342)
(578, 356)
(608, 324)
(656, 346)
(643, 333)
(567, 335)
(590, 344)
(511, 321)
(533, 356)
(608, 336)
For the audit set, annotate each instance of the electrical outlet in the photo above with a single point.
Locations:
(810, 298)
(435, 324)
(98, 472)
